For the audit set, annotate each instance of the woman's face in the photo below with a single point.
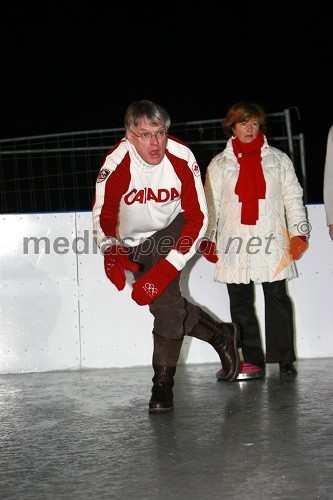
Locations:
(246, 131)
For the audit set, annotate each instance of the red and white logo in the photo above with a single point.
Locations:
(196, 169)
(103, 175)
(150, 288)
(148, 194)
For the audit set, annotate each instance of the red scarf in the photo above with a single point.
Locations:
(251, 185)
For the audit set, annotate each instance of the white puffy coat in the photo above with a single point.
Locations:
(254, 252)
(328, 178)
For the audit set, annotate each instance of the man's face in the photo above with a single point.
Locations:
(149, 141)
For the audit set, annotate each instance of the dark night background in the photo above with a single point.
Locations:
(76, 67)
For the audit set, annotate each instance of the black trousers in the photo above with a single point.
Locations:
(174, 316)
(279, 325)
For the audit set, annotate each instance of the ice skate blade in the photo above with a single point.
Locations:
(245, 376)
(249, 376)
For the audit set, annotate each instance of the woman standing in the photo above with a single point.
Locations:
(258, 223)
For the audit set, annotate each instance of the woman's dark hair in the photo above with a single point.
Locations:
(243, 112)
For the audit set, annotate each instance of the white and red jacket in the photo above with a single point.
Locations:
(133, 199)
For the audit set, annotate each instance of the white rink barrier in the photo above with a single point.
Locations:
(60, 312)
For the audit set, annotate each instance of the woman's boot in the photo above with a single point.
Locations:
(165, 358)
(224, 338)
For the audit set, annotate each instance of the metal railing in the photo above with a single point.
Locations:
(57, 172)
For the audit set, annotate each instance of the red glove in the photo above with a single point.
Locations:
(154, 282)
(298, 245)
(115, 264)
(208, 249)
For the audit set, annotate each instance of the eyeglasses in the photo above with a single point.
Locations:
(146, 136)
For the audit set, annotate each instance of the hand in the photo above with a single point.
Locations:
(330, 231)
(208, 249)
(115, 264)
(154, 282)
(298, 245)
